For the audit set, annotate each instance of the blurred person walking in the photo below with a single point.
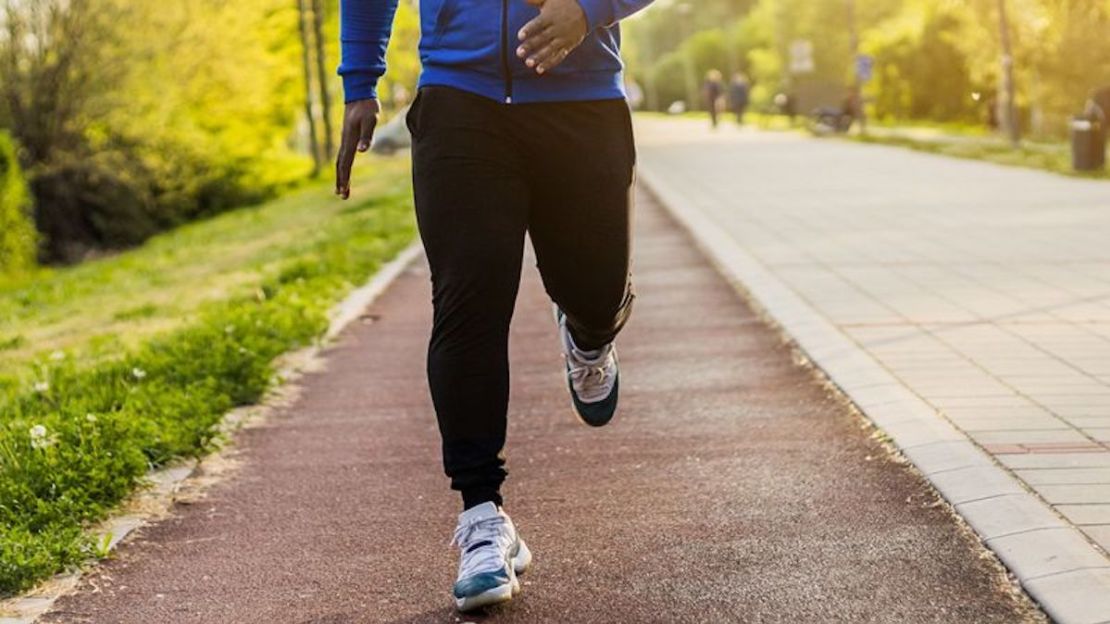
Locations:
(713, 92)
(739, 96)
(520, 126)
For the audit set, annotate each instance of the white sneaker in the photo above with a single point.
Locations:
(593, 377)
(492, 555)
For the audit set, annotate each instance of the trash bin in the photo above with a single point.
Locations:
(1088, 144)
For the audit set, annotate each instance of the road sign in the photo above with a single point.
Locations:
(801, 57)
(865, 67)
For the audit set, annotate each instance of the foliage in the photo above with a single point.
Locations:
(78, 433)
(401, 58)
(136, 116)
(936, 60)
(17, 231)
(921, 70)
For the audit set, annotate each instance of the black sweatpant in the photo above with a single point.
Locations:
(485, 173)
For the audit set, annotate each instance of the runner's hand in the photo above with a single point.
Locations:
(553, 34)
(359, 120)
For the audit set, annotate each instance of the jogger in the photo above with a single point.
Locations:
(484, 174)
(520, 126)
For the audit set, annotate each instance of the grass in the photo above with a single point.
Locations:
(756, 119)
(123, 364)
(118, 302)
(1047, 156)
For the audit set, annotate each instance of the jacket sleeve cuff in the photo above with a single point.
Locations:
(599, 13)
(360, 86)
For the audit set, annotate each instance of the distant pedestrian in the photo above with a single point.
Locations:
(993, 120)
(713, 91)
(787, 105)
(1098, 110)
(739, 96)
(1098, 106)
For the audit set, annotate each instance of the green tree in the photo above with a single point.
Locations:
(17, 230)
(138, 116)
(921, 72)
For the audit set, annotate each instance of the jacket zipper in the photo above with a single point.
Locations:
(505, 52)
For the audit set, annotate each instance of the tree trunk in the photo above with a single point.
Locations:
(314, 143)
(322, 75)
(1008, 87)
(859, 111)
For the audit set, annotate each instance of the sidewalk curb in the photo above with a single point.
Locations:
(1066, 574)
(166, 482)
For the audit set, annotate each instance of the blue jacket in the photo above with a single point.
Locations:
(471, 45)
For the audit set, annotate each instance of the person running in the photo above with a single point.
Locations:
(520, 125)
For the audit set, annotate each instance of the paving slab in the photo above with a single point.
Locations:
(732, 487)
(1086, 514)
(1044, 552)
(1081, 597)
(1065, 476)
(1100, 533)
(1007, 515)
(986, 298)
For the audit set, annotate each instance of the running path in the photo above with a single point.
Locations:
(733, 487)
(964, 306)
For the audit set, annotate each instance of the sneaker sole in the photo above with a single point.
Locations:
(523, 559)
(490, 597)
(498, 595)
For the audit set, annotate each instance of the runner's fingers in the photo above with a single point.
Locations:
(366, 135)
(546, 54)
(539, 24)
(555, 55)
(343, 165)
(537, 41)
(542, 55)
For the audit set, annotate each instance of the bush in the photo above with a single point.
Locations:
(91, 202)
(117, 195)
(17, 231)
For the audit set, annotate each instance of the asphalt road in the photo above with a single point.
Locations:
(732, 487)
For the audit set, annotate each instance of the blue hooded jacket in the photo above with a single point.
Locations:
(471, 45)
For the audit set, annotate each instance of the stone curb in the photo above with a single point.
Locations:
(166, 482)
(1060, 569)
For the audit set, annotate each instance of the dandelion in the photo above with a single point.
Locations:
(90, 417)
(39, 439)
(138, 373)
(41, 386)
(58, 356)
(230, 329)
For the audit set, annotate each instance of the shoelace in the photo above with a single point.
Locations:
(582, 374)
(581, 370)
(483, 559)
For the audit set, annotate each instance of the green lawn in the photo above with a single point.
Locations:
(124, 363)
(978, 145)
(100, 307)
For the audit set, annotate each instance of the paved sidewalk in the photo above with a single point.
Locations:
(732, 488)
(982, 290)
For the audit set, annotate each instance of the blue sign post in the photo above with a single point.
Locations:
(865, 67)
